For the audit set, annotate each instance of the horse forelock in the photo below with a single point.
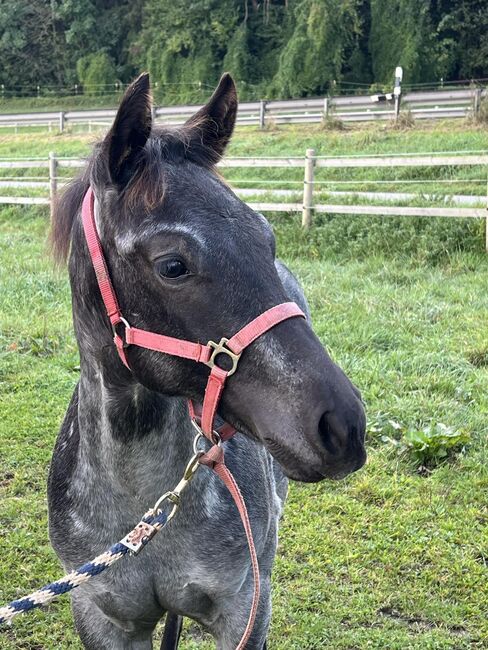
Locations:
(146, 188)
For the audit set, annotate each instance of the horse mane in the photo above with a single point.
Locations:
(66, 207)
(146, 186)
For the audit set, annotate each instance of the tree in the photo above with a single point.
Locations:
(28, 44)
(461, 43)
(96, 72)
(314, 56)
(272, 47)
(184, 43)
(402, 34)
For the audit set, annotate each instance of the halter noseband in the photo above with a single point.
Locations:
(207, 354)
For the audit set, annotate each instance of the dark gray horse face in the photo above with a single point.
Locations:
(190, 260)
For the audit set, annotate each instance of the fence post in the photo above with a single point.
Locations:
(476, 101)
(308, 188)
(262, 113)
(61, 121)
(53, 179)
(326, 108)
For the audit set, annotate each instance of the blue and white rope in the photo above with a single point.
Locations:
(72, 580)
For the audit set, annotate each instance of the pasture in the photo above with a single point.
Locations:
(395, 556)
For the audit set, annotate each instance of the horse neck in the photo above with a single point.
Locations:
(134, 439)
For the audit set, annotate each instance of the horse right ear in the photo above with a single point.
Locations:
(130, 131)
(209, 130)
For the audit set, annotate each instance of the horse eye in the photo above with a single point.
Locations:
(171, 268)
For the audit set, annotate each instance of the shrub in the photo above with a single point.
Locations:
(405, 121)
(331, 123)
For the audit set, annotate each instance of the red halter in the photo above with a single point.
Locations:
(207, 354)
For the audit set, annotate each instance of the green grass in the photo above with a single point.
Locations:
(393, 557)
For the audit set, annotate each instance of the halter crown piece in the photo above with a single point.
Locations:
(203, 418)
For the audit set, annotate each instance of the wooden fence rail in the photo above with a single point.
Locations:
(310, 163)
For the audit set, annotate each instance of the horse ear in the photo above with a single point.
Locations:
(210, 129)
(130, 131)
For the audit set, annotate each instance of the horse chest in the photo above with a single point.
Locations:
(174, 573)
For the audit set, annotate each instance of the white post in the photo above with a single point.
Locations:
(53, 180)
(397, 90)
(308, 188)
(61, 121)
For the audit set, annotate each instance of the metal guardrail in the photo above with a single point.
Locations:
(354, 108)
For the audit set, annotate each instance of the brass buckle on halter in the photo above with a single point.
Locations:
(221, 348)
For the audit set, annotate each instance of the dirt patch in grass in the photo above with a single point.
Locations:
(478, 358)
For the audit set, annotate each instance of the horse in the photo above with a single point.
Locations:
(187, 259)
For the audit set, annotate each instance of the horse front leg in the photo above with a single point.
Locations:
(232, 620)
(172, 631)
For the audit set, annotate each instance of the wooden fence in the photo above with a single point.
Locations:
(51, 182)
(452, 103)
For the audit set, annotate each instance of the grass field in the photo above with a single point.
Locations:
(394, 557)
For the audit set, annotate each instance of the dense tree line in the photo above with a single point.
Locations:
(273, 47)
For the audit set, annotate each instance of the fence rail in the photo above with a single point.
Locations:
(51, 182)
(353, 108)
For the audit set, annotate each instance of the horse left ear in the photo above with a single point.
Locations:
(209, 130)
(130, 131)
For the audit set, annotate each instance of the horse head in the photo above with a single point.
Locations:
(190, 260)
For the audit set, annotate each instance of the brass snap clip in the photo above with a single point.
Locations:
(221, 348)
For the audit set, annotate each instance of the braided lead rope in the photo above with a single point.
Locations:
(132, 543)
(152, 522)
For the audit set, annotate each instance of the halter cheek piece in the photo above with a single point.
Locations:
(202, 417)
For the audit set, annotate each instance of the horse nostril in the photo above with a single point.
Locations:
(326, 434)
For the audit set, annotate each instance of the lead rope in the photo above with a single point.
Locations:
(43, 596)
(214, 459)
(151, 523)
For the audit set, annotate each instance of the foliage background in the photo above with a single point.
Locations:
(274, 48)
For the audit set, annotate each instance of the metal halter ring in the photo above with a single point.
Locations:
(217, 440)
(124, 323)
(221, 348)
